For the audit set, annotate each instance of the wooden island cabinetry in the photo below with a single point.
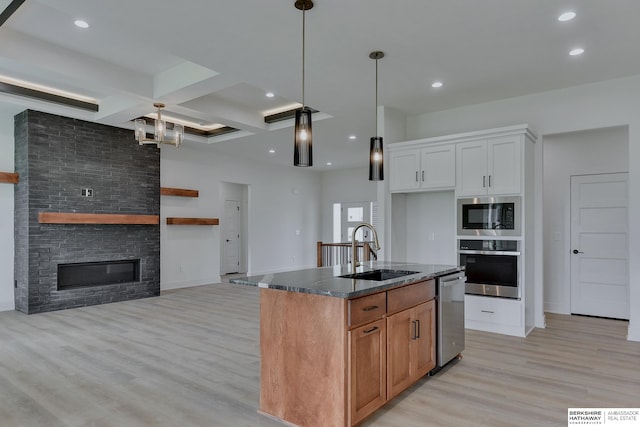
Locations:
(330, 361)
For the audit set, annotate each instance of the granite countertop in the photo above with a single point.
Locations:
(325, 280)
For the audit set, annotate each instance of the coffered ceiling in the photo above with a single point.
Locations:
(211, 62)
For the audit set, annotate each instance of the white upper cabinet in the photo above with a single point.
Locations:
(481, 163)
(438, 167)
(489, 167)
(404, 170)
(471, 158)
(424, 169)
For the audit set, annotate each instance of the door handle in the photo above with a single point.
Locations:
(576, 252)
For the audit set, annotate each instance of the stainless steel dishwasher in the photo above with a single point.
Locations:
(450, 317)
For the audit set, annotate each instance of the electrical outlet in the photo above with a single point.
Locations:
(87, 192)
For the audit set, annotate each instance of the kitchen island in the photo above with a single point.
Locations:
(334, 349)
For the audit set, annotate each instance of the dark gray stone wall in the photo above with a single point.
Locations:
(56, 158)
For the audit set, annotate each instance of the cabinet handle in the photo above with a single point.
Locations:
(486, 311)
(484, 181)
(489, 180)
(370, 308)
(416, 176)
(417, 329)
(368, 331)
(422, 176)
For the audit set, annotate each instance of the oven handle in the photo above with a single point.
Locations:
(467, 252)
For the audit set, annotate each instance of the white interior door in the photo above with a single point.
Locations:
(599, 245)
(231, 236)
(351, 215)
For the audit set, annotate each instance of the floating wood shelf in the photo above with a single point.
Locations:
(11, 178)
(192, 221)
(180, 192)
(89, 218)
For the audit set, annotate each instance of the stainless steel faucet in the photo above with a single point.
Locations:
(354, 252)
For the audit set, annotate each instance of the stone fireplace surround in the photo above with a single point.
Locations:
(56, 158)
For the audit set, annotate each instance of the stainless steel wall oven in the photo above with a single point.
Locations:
(492, 267)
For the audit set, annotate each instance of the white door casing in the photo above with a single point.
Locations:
(231, 243)
(599, 245)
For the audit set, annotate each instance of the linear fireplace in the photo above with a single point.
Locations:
(84, 274)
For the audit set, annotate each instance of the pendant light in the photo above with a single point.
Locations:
(376, 167)
(302, 150)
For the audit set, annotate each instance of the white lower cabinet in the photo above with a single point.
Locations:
(499, 315)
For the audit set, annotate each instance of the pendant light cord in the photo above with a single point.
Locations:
(304, 8)
(376, 110)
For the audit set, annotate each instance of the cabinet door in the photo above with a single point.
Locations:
(424, 345)
(368, 369)
(400, 333)
(438, 166)
(404, 170)
(504, 165)
(471, 168)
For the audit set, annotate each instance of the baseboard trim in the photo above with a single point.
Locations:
(188, 283)
(557, 308)
(633, 334)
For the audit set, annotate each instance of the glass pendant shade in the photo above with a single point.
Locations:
(303, 148)
(140, 129)
(160, 130)
(376, 157)
(178, 134)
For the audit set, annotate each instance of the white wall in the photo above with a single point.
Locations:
(598, 105)
(431, 228)
(340, 186)
(284, 220)
(6, 212)
(393, 130)
(575, 153)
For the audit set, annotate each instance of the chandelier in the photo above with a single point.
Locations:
(161, 135)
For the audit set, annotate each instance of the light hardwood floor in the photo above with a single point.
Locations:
(190, 358)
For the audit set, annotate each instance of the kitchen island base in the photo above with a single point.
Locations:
(329, 361)
(303, 358)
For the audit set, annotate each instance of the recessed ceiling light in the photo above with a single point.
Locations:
(352, 137)
(577, 51)
(81, 23)
(329, 163)
(270, 94)
(436, 84)
(567, 16)
(272, 151)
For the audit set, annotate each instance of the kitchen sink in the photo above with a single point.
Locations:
(379, 275)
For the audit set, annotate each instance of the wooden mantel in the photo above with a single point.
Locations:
(180, 192)
(192, 221)
(89, 218)
(11, 178)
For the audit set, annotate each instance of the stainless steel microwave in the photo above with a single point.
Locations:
(489, 216)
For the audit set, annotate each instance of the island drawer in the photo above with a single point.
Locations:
(411, 295)
(366, 309)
